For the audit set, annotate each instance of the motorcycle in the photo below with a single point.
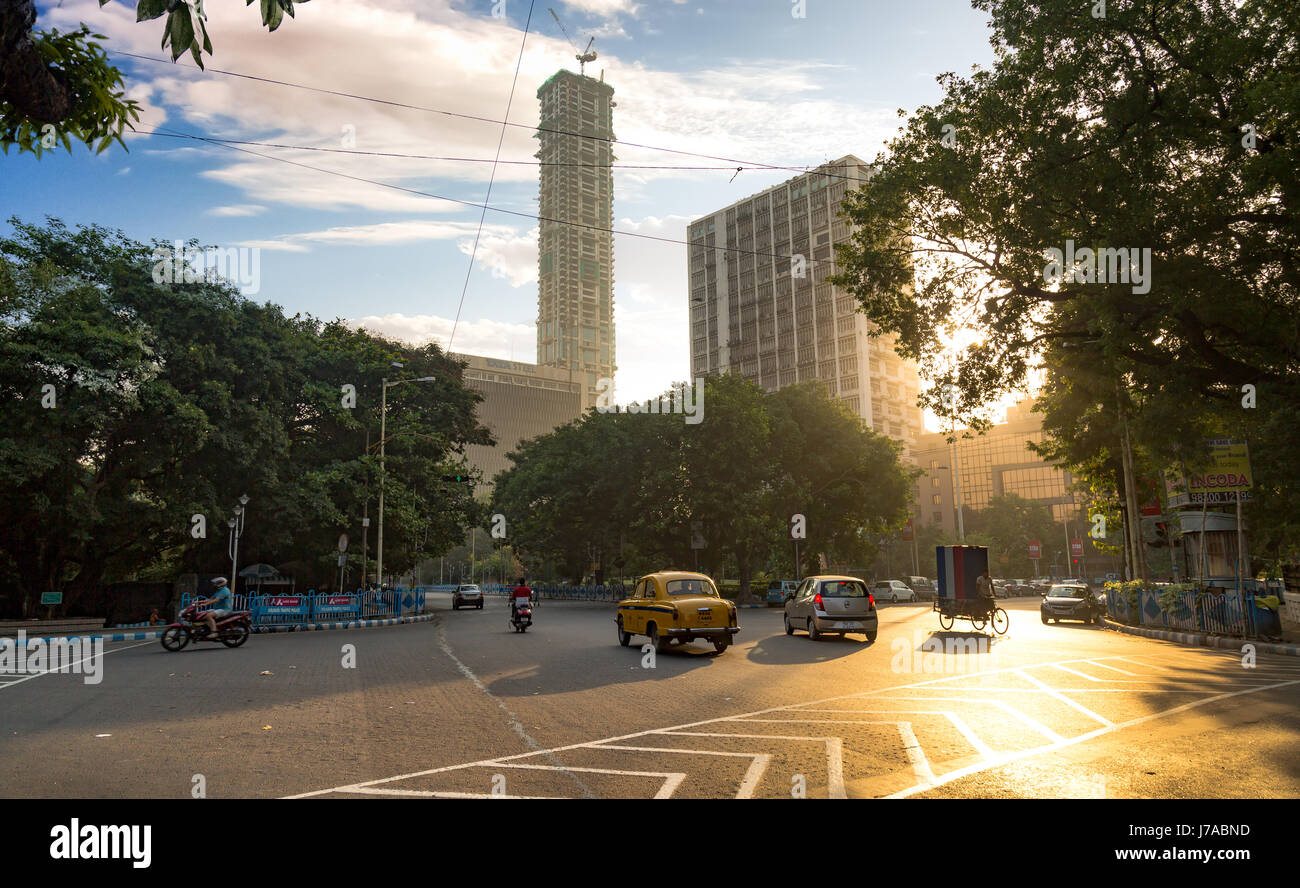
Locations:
(232, 630)
(521, 614)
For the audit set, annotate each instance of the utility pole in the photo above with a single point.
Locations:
(1134, 523)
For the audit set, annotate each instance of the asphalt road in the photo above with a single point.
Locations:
(464, 706)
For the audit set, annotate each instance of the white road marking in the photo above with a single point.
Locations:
(748, 784)
(1083, 674)
(1115, 668)
(1055, 694)
(514, 721)
(962, 728)
(1010, 710)
(1099, 732)
(10, 684)
(915, 755)
(672, 779)
(834, 754)
(835, 761)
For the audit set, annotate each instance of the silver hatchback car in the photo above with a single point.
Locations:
(832, 605)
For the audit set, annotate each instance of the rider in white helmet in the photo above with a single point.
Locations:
(222, 599)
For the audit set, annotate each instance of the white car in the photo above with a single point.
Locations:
(893, 590)
(468, 595)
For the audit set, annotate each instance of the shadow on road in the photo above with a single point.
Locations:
(799, 649)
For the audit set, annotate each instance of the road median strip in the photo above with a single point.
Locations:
(304, 627)
(1200, 639)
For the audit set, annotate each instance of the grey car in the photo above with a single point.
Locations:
(832, 605)
(1072, 601)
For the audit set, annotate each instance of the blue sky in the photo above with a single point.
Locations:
(737, 78)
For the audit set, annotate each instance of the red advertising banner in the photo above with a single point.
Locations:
(1076, 548)
(1035, 549)
(907, 531)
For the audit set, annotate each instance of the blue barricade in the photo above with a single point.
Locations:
(335, 608)
(281, 610)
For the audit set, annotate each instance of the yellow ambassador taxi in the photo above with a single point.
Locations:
(677, 605)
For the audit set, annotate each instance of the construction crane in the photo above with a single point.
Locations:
(587, 55)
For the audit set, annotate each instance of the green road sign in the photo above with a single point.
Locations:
(51, 598)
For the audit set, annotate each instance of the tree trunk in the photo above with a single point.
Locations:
(26, 81)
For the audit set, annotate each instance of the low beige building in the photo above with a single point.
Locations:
(520, 401)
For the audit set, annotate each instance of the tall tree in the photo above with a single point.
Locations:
(135, 405)
(1163, 133)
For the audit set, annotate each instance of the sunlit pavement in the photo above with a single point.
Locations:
(463, 707)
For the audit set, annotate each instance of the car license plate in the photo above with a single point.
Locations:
(847, 624)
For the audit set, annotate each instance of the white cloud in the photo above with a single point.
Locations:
(507, 254)
(396, 233)
(604, 8)
(650, 293)
(493, 339)
(459, 60)
(237, 210)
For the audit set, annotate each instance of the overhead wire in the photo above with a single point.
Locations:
(482, 119)
(491, 178)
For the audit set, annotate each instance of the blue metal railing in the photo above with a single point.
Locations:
(295, 610)
(1228, 612)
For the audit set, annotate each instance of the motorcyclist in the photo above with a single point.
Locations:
(521, 594)
(222, 598)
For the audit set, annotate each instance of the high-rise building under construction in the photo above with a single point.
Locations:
(575, 247)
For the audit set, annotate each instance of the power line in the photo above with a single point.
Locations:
(491, 178)
(518, 213)
(480, 119)
(403, 156)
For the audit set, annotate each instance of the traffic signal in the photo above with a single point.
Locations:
(457, 479)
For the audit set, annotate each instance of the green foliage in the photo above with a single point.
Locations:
(173, 399)
(1160, 126)
(98, 110)
(632, 486)
(1009, 522)
(186, 27)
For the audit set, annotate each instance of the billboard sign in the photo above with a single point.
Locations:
(1035, 549)
(1224, 478)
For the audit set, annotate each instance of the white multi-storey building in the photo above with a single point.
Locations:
(776, 320)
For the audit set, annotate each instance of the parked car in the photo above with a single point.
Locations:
(894, 590)
(1071, 601)
(676, 605)
(923, 587)
(779, 590)
(832, 605)
(469, 595)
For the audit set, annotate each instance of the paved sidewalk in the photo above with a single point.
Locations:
(1198, 639)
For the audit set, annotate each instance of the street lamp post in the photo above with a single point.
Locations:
(236, 525)
(383, 431)
(365, 541)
